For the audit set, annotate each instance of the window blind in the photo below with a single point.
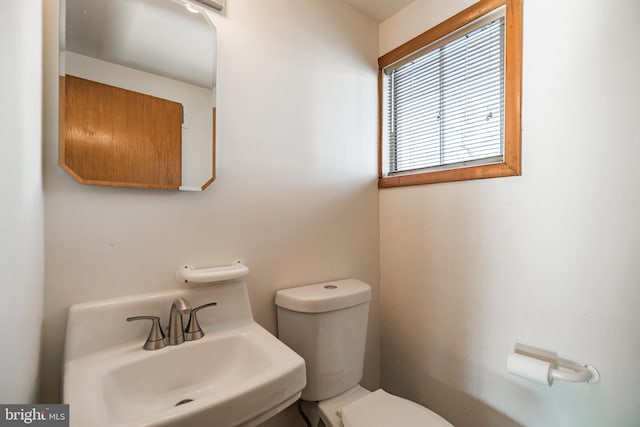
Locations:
(445, 107)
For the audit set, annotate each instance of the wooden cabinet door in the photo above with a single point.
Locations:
(113, 136)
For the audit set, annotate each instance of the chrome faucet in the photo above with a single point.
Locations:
(177, 332)
(179, 307)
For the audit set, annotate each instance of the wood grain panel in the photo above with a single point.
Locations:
(118, 137)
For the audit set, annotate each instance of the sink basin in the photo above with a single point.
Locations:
(205, 370)
(237, 375)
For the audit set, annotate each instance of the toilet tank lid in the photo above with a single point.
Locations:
(322, 297)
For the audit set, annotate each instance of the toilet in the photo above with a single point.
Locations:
(326, 324)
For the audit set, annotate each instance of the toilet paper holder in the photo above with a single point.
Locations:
(543, 369)
(585, 374)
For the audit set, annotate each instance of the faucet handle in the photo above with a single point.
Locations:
(156, 339)
(194, 331)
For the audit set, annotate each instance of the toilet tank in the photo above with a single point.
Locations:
(326, 324)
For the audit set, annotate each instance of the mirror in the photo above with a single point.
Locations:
(137, 93)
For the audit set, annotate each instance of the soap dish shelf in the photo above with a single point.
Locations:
(187, 274)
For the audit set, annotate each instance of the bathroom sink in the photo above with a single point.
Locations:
(207, 370)
(238, 374)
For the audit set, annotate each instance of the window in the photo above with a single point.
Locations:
(450, 99)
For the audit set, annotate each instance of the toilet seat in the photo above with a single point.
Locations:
(381, 409)
(331, 409)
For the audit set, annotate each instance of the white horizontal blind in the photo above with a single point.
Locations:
(445, 108)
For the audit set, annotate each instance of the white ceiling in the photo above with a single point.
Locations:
(379, 10)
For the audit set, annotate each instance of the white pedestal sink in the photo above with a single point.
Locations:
(237, 375)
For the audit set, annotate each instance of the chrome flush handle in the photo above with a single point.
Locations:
(194, 331)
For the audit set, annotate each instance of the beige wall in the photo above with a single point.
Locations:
(549, 259)
(467, 269)
(21, 208)
(296, 194)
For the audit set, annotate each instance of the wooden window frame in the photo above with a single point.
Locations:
(511, 164)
